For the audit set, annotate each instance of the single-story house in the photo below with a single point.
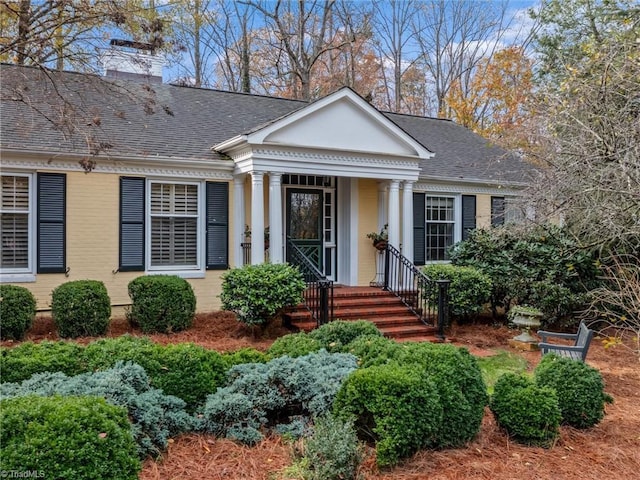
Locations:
(180, 175)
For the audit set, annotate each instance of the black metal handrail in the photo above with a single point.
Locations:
(425, 297)
(318, 296)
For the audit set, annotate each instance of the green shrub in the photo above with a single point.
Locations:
(270, 395)
(259, 293)
(529, 413)
(155, 417)
(22, 361)
(185, 370)
(17, 311)
(81, 308)
(580, 389)
(294, 345)
(244, 355)
(372, 350)
(469, 289)
(458, 380)
(396, 406)
(333, 451)
(161, 303)
(335, 335)
(67, 437)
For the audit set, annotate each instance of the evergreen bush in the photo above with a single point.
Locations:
(17, 311)
(373, 350)
(579, 387)
(335, 335)
(154, 417)
(244, 355)
(81, 308)
(529, 413)
(397, 407)
(469, 290)
(80, 438)
(259, 396)
(161, 303)
(294, 345)
(22, 361)
(259, 293)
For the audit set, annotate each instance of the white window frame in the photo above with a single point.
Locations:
(26, 274)
(185, 271)
(456, 222)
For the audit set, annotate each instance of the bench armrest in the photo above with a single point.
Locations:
(568, 336)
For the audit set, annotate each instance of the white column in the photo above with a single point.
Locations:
(238, 219)
(257, 218)
(394, 213)
(383, 205)
(275, 218)
(407, 220)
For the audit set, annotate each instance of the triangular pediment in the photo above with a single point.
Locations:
(342, 121)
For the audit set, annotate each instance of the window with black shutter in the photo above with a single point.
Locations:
(468, 215)
(497, 211)
(418, 229)
(132, 224)
(51, 236)
(217, 225)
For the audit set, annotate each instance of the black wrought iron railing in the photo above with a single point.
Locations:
(424, 296)
(318, 296)
(246, 253)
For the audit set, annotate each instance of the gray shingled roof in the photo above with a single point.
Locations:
(185, 122)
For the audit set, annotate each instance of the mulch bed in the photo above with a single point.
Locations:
(610, 450)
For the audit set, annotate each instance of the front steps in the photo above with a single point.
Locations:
(380, 307)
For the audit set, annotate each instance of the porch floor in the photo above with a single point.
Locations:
(378, 306)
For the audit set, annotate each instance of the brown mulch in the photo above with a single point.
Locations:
(609, 451)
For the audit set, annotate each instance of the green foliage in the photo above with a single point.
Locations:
(22, 361)
(185, 370)
(258, 293)
(580, 389)
(155, 417)
(372, 350)
(469, 289)
(67, 438)
(81, 308)
(335, 335)
(541, 266)
(244, 355)
(495, 366)
(294, 345)
(333, 451)
(458, 380)
(17, 311)
(161, 303)
(396, 406)
(529, 413)
(265, 395)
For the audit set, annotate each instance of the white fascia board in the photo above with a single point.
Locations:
(231, 144)
(479, 188)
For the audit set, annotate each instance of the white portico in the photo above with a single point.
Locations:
(316, 156)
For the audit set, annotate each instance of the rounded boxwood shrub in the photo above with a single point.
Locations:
(17, 311)
(373, 350)
(22, 361)
(580, 389)
(259, 293)
(161, 303)
(469, 289)
(294, 345)
(335, 335)
(81, 308)
(67, 437)
(397, 407)
(458, 379)
(529, 413)
(244, 355)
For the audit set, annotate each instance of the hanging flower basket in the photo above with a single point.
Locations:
(380, 239)
(380, 244)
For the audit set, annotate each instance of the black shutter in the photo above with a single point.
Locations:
(418, 229)
(217, 225)
(52, 206)
(132, 200)
(497, 211)
(468, 215)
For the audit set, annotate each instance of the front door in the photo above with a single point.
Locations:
(304, 223)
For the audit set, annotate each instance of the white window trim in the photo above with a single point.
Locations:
(24, 275)
(184, 271)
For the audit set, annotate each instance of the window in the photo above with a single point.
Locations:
(174, 213)
(14, 228)
(506, 210)
(173, 226)
(440, 222)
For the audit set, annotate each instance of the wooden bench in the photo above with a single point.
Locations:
(577, 351)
